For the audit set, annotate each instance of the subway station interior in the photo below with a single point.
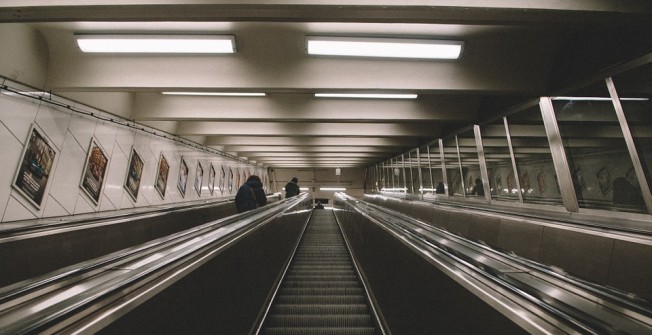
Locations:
(489, 172)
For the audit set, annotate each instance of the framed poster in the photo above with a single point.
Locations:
(94, 171)
(134, 173)
(199, 175)
(222, 178)
(33, 172)
(211, 179)
(230, 181)
(237, 178)
(183, 177)
(162, 176)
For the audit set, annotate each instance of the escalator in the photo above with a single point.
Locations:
(321, 292)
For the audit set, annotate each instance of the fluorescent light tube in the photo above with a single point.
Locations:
(336, 189)
(365, 96)
(596, 99)
(218, 94)
(384, 47)
(157, 43)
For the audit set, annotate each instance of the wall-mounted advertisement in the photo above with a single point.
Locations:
(199, 175)
(134, 173)
(34, 170)
(183, 177)
(97, 163)
(237, 178)
(211, 179)
(230, 181)
(162, 176)
(222, 178)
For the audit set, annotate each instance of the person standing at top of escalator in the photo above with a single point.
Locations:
(292, 188)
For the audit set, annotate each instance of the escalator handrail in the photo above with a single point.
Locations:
(181, 248)
(420, 241)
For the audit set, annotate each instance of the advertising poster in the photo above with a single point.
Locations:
(34, 170)
(183, 177)
(135, 172)
(211, 179)
(230, 181)
(199, 175)
(94, 171)
(237, 179)
(162, 176)
(222, 178)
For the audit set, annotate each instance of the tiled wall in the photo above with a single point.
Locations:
(70, 133)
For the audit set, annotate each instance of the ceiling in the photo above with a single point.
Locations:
(513, 53)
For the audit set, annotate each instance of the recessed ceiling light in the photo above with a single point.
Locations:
(219, 94)
(365, 96)
(384, 47)
(126, 43)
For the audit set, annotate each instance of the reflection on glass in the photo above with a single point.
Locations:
(636, 83)
(534, 165)
(596, 151)
(499, 162)
(454, 181)
(470, 164)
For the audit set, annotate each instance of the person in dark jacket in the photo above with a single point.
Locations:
(292, 188)
(250, 195)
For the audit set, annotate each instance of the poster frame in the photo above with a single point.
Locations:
(139, 174)
(95, 198)
(199, 176)
(160, 178)
(34, 200)
(182, 181)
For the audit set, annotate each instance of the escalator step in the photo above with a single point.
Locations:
(320, 309)
(321, 299)
(321, 331)
(326, 320)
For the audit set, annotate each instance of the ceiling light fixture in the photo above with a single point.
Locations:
(365, 96)
(384, 47)
(219, 94)
(596, 99)
(127, 43)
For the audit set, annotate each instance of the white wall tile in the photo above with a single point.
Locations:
(125, 138)
(83, 205)
(54, 123)
(11, 150)
(106, 205)
(82, 129)
(126, 202)
(106, 133)
(17, 115)
(115, 177)
(16, 211)
(67, 176)
(53, 208)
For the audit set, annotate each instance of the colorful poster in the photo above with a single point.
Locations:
(211, 179)
(97, 163)
(183, 177)
(199, 175)
(162, 176)
(134, 173)
(34, 170)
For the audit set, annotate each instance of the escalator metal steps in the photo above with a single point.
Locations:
(321, 293)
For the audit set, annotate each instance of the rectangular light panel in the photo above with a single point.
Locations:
(384, 47)
(189, 44)
(365, 96)
(218, 94)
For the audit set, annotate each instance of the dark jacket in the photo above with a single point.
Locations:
(250, 196)
(291, 189)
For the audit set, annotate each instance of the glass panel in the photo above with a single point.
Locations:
(436, 174)
(596, 151)
(536, 171)
(499, 161)
(470, 164)
(455, 184)
(425, 171)
(635, 92)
